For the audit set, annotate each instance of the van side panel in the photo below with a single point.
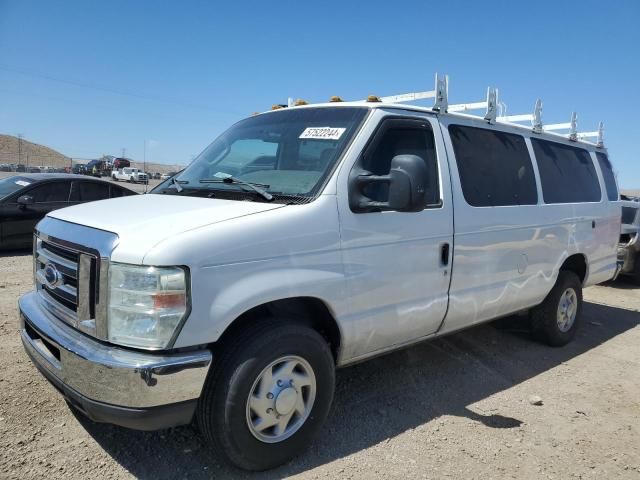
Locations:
(507, 258)
(607, 234)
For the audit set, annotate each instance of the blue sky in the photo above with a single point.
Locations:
(88, 78)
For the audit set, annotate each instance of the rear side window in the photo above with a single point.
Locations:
(495, 167)
(567, 173)
(607, 174)
(89, 191)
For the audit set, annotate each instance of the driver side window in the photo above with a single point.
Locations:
(50, 192)
(402, 139)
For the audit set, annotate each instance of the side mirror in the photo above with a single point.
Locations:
(25, 200)
(407, 186)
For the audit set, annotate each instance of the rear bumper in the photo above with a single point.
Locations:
(109, 384)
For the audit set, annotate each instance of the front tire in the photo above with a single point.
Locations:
(556, 320)
(268, 395)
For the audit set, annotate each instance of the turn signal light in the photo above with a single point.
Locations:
(168, 300)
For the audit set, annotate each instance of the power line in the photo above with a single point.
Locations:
(116, 91)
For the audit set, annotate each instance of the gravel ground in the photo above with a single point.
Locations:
(458, 407)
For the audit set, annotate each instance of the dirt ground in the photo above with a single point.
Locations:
(458, 407)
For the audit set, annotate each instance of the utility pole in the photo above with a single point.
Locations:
(19, 148)
(144, 165)
(124, 152)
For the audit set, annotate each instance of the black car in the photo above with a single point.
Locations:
(79, 169)
(26, 198)
(97, 168)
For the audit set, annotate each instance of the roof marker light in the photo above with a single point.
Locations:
(335, 98)
(300, 102)
(373, 98)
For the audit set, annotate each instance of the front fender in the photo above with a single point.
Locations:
(253, 284)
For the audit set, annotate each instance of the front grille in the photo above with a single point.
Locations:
(66, 281)
(629, 215)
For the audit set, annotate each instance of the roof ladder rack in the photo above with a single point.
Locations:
(408, 97)
(491, 104)
(442, 93)
(599, 134)
(496, 111)
(572, 126)
(535, 118)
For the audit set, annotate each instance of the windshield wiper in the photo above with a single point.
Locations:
(177, 183)
(256, 187)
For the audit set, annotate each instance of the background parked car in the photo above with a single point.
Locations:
(119, 163)
(129, 174)
(80, 169)
(97, 168)
(25, 199)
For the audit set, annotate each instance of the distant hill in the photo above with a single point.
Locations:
(15, 150)
(151, 167)
(631, 193)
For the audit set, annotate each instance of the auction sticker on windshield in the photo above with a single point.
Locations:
(322, 133)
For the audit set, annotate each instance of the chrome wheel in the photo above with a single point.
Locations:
(281, 399)
(567, 310)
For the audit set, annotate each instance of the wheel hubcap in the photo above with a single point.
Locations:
(281, 399)
(567, 310)
(286, 400)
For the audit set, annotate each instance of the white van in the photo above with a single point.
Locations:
(308, 238)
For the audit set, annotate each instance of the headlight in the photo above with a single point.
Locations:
(146, 304)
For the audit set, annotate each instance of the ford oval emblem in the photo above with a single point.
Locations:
(52, 276)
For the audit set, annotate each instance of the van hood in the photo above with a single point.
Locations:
(143, 221)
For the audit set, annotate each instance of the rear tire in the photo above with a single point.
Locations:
(250, 388)
(555, 321)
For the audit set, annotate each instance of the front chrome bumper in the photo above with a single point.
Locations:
(99, 373)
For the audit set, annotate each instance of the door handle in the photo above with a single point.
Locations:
(444, 254)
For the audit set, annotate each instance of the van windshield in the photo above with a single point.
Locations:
(287, 153)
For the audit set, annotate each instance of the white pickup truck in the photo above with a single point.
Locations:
(309, 238)
(130, 174)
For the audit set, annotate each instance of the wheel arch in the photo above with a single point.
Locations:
(304, 310)
(578, 264)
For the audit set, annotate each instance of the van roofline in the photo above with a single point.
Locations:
(455, 115)
(495, 111)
